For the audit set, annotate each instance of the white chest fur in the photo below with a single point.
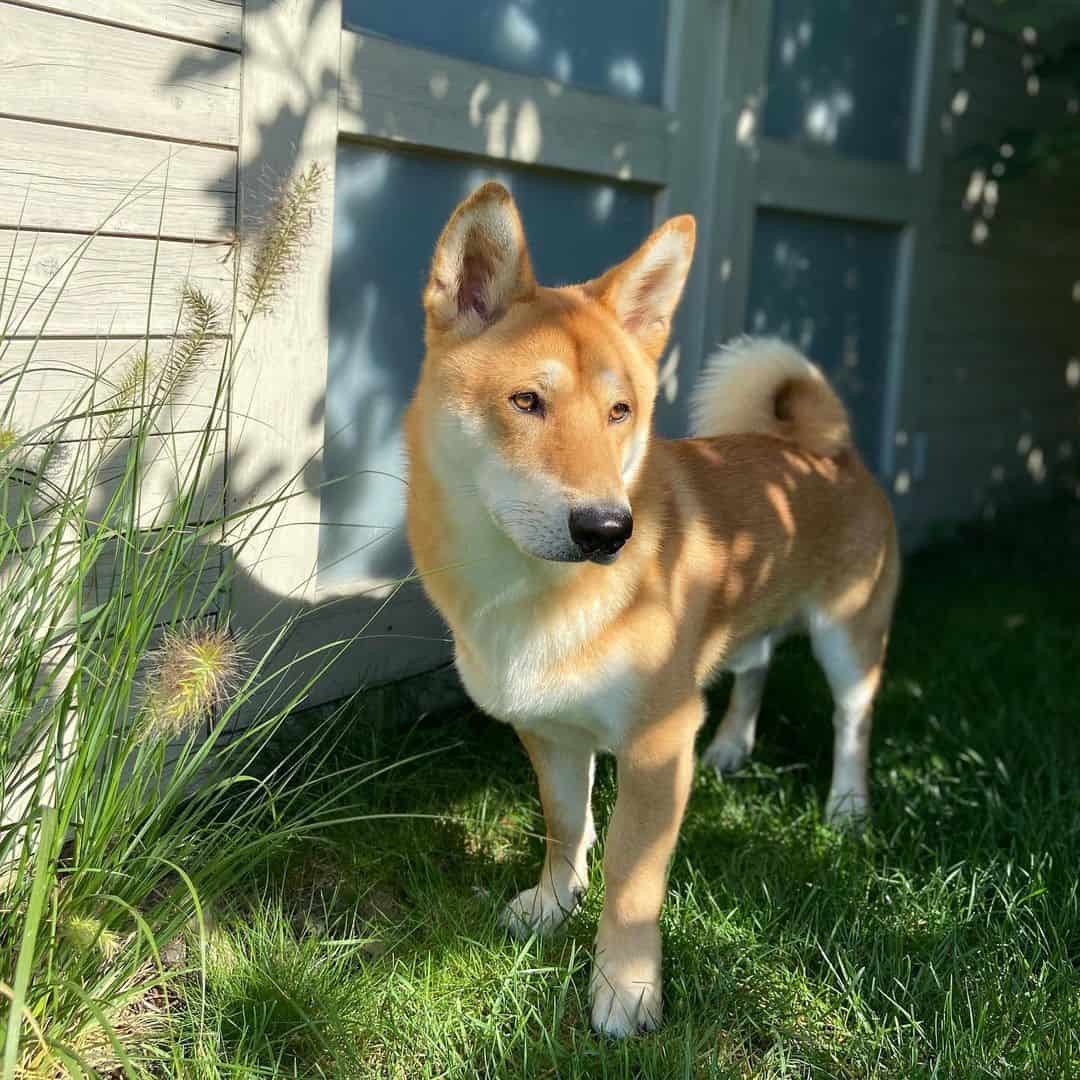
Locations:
(548, 677)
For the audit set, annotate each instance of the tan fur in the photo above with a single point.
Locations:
(771, 524)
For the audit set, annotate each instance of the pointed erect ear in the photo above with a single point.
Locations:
(643, 292)
(481, 265)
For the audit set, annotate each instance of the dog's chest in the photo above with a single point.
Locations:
(552, 680)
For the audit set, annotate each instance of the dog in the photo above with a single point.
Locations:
(596, 578)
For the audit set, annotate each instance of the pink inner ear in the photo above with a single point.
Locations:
(475, 274)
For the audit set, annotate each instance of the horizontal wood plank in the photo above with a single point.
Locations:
(54, 177)
(396, 93)
(71, 71)
(111, 283)
(63, 389)
(197, 580)
(210, 22)
(794, 178)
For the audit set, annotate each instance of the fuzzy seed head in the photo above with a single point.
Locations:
(192, 675)
(86, 932)
(283, 237)
(8, 438)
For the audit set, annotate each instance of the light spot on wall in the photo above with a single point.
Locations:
(973, 193)
(979, 232)
(1006, 150)
(528, 137)
(1024, 443)
(820, 122)
(978, 37)
(746, 126)
(480, 93)
(725, 270)
(902, 438)
(902, 483)
(626, 76)
(1076, 292)
(1030, 35)
(603, 202)
(1033, 85)
(497, 122)
(563, 66)
(960, 102)
(1072, 373)
(518, 34)
(439, 85)
(998, 169)
(1036, 465)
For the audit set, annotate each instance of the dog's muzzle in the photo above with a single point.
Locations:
(600, 531)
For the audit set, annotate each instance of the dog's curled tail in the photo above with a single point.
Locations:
(764, 386)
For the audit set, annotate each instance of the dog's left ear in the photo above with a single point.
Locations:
(643, 292)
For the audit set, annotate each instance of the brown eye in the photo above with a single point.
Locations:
(526, 401)
(619, 412)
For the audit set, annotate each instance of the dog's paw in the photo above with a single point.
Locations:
(626, 1002)
(725, 755)
(538, 911)
(848, 810)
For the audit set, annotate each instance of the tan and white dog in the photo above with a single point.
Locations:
(596, 577)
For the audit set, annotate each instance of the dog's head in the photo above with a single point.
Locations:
(543, 398)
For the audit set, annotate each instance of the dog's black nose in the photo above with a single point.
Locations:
(600, 530)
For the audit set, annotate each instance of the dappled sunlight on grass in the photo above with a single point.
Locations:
(945, 938)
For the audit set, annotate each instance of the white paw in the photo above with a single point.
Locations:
(847, 809)
(625, 1004)
(538, 911)
(725, 755)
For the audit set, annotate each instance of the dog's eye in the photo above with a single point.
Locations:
(526, 401)
(619, 412)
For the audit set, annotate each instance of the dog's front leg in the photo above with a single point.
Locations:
(656, 768)
(565, 773)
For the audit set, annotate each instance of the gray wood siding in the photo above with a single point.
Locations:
(991, 404)
(118, 167)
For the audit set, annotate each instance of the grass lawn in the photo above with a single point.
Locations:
(945, 942)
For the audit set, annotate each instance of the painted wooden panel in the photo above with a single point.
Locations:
(103, 283)
(393, 92)
(211, 22)
(72, 71)
(55, 177)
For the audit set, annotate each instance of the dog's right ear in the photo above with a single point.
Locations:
(481, 265)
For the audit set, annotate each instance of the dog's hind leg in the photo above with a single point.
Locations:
(851, 653)
(733, 742)
(565, 773)
(734, 739)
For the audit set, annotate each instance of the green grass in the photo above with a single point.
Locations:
(944, 942)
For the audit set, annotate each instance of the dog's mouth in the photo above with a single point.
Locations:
(603, 558)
